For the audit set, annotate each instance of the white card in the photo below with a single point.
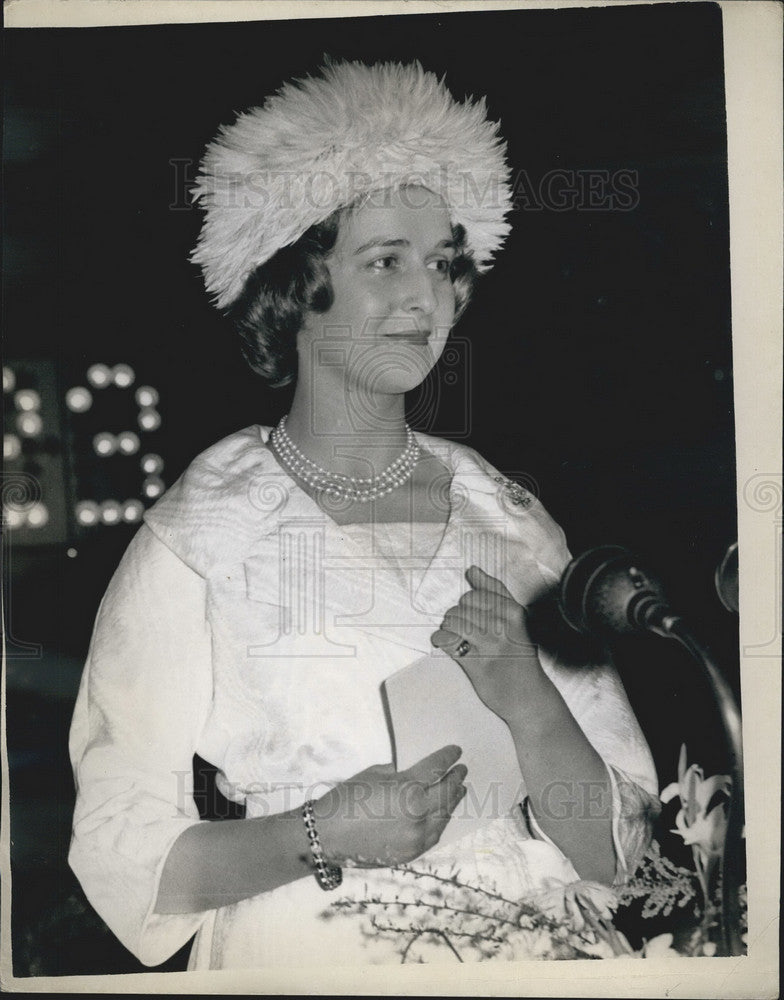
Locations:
(433, 704)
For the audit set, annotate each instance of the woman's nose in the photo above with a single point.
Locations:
(419, 295)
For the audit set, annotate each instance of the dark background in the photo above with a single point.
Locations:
(594, 362)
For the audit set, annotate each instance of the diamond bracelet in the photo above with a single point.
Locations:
(328, 876)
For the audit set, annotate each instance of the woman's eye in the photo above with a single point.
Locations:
(442, 265)
(383, 263)
(391, 262)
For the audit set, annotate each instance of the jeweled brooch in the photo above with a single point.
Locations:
(514, 492)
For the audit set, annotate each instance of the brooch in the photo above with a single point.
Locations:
(514, 492)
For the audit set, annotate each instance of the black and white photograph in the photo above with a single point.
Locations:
(370, 510)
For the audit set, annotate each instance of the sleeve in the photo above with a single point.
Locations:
(597, 699)
(585, 675)
(143, 699)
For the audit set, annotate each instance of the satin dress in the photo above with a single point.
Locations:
(246, 625)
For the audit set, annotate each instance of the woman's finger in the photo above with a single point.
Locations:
(474, 624)
(431, 769)
(456, 622)
(444, 798)
(457, 631)
(481, 580)
(451, 787)
(483, 600)
(446, 640)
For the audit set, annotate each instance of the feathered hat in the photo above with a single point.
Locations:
(324, 141)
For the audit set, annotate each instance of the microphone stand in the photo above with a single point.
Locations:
(603, 592)
(673, 627)
(651, 613)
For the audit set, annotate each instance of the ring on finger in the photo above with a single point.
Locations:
(463, 647)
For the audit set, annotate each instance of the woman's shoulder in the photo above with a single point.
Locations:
(511, 496)
(219, 504)
(456, 455)
(477, 472)
(233, 456)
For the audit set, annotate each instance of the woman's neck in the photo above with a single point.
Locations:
(346, 432)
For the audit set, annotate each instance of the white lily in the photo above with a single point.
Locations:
(660, 947)
(702, 818)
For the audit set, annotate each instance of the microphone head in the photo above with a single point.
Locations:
(603, 589)
(727, 579)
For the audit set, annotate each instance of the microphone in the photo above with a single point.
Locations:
(726, 579)
(604, 591)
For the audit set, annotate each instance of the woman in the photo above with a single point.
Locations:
(291, 571)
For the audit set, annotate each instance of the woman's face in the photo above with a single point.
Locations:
(394, 303)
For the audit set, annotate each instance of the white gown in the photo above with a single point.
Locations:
(244, 624)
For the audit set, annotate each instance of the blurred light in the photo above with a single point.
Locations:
(105, 444)
(149, 419)
(152, 487)
(146, 396)
(29, 424)
(87, 512)
(14, 517)
(71, 553)
(128, 442)
(123, 376)
(111, 512)
(12, 447)
(99, 375)
(27, 400)
(152, 464)
(132, 511)
(37, 516)
(9, 380)
(78, 399)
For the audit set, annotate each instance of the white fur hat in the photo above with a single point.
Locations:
(322, 142)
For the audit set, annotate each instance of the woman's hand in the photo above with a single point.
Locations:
(500, 657)
(383, 817)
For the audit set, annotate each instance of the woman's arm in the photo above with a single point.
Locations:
(567, 781)
(378, 818)
(569, 790)
(144, 697)
(219, 863)
(148, 864)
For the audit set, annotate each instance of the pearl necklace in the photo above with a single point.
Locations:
(337, 485)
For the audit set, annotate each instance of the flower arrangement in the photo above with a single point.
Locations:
(425, 915)
(701, 823)
(425, 912)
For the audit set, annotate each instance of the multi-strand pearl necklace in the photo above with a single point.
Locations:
(339, 486)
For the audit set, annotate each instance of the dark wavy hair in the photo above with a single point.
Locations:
(270, 311)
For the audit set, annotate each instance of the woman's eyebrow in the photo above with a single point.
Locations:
(384, 241)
